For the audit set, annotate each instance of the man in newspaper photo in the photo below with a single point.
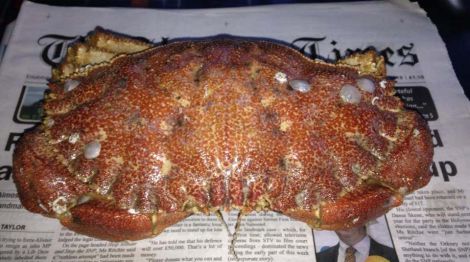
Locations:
(355, 245)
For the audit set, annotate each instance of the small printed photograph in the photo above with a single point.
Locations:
(369, 243)
(29, 108)
(418, 98)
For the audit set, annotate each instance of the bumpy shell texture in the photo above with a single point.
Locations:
(137, 142)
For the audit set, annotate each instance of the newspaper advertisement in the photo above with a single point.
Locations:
(433, 224)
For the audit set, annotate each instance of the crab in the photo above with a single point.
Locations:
(138, 137)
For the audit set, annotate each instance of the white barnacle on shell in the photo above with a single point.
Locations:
(70, 84)
(280, 77)
(73, 138)
(92, 150)
(132, 211)
(300, 85)
(366, 84)
(73, 156)
(59, 205)
(383, 84)
(374, 100)
(350, 94)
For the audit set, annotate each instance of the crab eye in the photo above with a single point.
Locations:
(383, 84)
(73, 138)
(280, 77)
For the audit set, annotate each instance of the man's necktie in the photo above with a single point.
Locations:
(349, 255)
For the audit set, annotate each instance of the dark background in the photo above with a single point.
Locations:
(452, 18)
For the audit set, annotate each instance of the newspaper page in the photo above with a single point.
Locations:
(432, 225)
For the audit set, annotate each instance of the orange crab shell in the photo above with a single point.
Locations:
(135, 144)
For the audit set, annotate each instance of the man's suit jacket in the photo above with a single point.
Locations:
(376, 249)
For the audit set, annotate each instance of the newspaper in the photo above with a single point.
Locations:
(6, 38)
(433, 224)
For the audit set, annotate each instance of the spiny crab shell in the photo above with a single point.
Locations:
(133, 143)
